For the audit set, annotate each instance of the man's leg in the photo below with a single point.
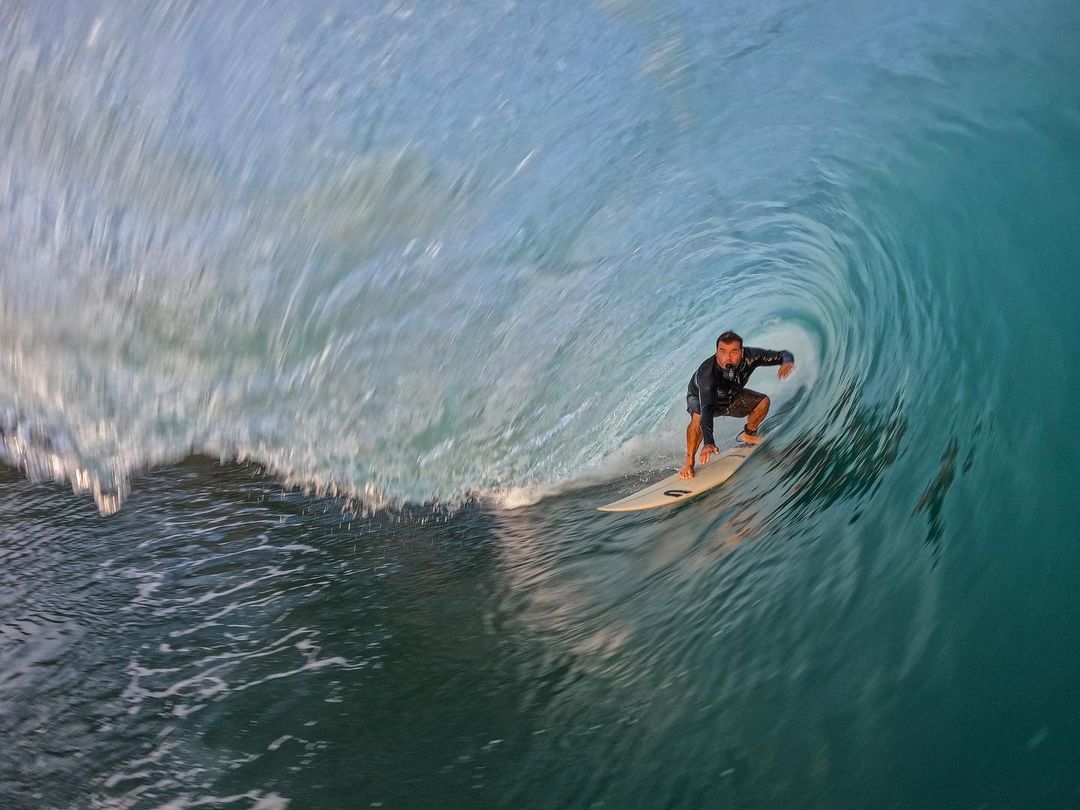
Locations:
(693, 439)
(754, 420)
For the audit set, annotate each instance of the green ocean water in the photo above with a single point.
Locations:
(323, 333)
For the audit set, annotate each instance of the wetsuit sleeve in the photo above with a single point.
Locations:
(767, 357)
(707, 397)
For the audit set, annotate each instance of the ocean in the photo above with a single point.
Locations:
(325, 329)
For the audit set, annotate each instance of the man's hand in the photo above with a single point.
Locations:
(706, 451)
(785, 370)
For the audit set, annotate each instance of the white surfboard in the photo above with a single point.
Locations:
(673, 489)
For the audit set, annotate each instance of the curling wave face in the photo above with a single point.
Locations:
(438, 254)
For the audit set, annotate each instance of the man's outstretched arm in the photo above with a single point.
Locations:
(768, 357)
(705, 400)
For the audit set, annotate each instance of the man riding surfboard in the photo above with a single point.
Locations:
(718, 388)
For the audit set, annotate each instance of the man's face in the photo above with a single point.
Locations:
(728, 354)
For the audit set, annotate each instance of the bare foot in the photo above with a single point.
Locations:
(749, 439)
(687, 470)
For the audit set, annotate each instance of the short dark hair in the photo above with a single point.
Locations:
(728, 337)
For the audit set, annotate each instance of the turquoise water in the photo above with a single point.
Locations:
(324, 333)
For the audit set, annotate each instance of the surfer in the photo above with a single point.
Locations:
(718, 388)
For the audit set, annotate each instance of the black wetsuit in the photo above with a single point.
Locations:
(714, 391)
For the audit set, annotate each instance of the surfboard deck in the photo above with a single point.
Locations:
(673, 489)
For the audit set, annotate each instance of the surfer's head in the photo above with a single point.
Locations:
(728, 351)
